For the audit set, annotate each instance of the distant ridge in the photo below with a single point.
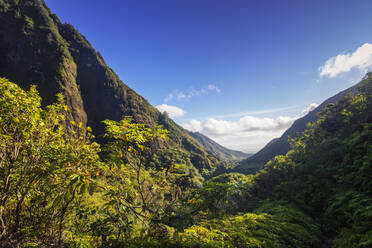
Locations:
(280, 146)
(217, 149)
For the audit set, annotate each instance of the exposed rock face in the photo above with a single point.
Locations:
(36, 48)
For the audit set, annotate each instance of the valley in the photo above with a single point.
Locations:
(86, 161)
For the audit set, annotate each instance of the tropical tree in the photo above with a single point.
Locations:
(43, 168)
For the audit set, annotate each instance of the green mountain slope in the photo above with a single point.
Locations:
(36, 48)
(217, 149)
(280, 146)
(327, 171)
(317, 195)
(56, 191)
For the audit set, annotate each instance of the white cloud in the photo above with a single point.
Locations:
(172, 111)
(309, 108)
(213, 87)
(175, 95)
(179, 95)
(256, 112)
(248, 142)
(360, 59)
(247, 134)
(245, 124)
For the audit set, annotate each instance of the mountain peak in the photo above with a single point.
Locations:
(38, 49)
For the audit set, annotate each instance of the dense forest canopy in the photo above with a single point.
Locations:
(61, 189)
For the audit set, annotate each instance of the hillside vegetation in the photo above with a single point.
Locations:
(58, 188)
(217, 149)
(87, 162)
(280, 146)
(36, 48)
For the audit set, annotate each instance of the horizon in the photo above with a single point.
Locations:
(239, 73)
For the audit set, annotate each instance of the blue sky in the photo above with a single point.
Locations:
(237, 71)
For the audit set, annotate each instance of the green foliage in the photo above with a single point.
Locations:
(43, 171)
(326, 174)
(29, 25)
(40, 49)
(147, 190)
(221, 195)
(327, 171)
(56, 190)
(274, 225)
(137, 197)
(351, 213)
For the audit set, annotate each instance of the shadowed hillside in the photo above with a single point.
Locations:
(36, 48)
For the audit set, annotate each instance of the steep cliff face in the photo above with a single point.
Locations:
(33, 51)
(104, 95)
(36, 48)
(280, 146)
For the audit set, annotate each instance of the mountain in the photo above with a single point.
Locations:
(320, 192)
(37, 48)
(280, 146)
(217, 149)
